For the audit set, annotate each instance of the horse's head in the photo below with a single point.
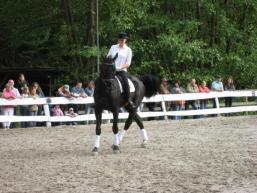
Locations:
(108, 69)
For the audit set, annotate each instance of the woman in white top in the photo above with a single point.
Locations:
(122, 63)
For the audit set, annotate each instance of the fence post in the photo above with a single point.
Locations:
(217, 104)
(47, 112)
(164, 109)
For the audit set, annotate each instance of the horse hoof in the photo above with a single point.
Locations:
(115, 149)
(95, 151)
(144, 144)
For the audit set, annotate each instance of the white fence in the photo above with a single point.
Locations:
(158, 99)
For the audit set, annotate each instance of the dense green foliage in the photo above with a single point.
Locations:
(177, 39)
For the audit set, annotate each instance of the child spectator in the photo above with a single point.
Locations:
(179, 105)
(24, 108)
(33, 109)
(71, 113)
(9, 94)
(57, 111)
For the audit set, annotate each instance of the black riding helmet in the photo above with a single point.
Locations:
(122, 35)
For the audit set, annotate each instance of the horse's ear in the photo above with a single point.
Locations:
(115, 57)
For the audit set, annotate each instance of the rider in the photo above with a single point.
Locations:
(122, 63)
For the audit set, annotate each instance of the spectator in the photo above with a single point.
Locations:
(71, 113)
(8, 93)
(203, 89)
(64, 91)
(17, 94)
(24, 108)
(57, 111)
(192, 88)
(164, 87)
(78, 91)
(90, 92)
(217, 86)
(21, 82)
(40, 92)
(33, 109)
(15, 90)
(229, 86)
(179, 105)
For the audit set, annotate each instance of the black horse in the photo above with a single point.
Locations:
(108, 96)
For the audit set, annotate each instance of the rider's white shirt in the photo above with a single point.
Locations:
(124, 55)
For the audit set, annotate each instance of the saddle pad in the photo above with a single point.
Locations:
(131, 85)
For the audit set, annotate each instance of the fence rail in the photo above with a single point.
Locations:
(157, 99)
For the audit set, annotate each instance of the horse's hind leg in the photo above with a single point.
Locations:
(98, 115)
(143, 132)
(126, 127)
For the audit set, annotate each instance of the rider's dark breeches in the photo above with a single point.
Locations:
(125, 84)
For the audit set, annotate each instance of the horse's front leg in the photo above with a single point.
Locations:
(98, 115)
(115, 130)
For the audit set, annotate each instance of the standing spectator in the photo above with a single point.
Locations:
(15, 90)
(203, 89)
(164, 87)
(57, 111)
(179, 105)
(40, 92)
(24, 108)
(17, 94)
(33, 109)
(192, 88)
(217, 86)
(78, 91)
(64, 91)
(8, 93)
(21, 82)
(229, 86)
(90, 92)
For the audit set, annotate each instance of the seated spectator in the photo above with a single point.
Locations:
(179, 105)
(33, 109)
(57, 111)
(78, 91)
(8, 93)
(71, 113)
(24, 108)
(21, 82)
(229, 86)
(90, 92)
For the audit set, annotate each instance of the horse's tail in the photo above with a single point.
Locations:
(151, 83)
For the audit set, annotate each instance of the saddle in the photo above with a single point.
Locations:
(131, 85)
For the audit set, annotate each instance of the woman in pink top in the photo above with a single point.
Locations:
(8, 93)
(203, 89)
